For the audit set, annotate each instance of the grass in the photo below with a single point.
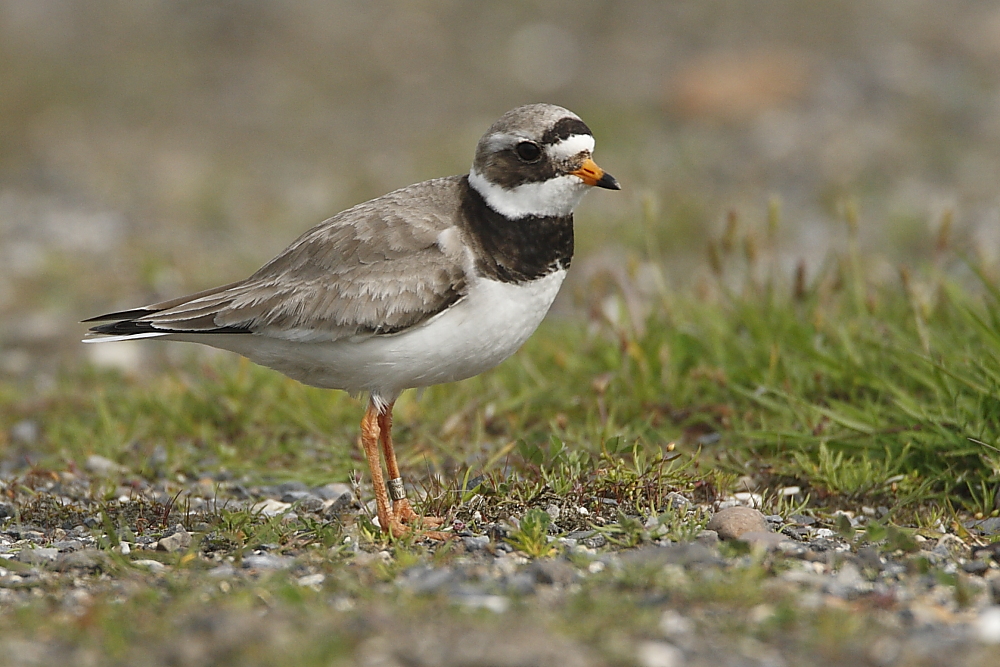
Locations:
(888, 392)
(860, 392)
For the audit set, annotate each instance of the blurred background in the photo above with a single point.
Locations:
(150, 148)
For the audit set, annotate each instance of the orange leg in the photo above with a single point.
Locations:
(376, 426)
(369, 441)
(401, 509)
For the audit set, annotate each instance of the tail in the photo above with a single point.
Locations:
(159, 319)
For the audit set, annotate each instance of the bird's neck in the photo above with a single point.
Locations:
(514, 249)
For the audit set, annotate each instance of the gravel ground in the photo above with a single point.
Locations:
(927, 597)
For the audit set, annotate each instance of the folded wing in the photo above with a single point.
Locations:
(377, 268)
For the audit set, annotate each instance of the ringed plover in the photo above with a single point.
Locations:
(436, 282)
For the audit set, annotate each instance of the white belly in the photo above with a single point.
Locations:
(474, 335)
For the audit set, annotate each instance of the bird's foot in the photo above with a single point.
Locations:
(404, 520)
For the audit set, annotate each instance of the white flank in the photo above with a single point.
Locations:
(470, 337)
(571, 147)
(555, 197)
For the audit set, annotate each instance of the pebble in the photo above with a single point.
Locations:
(267, 562)
(103, 467)
(730, 523)
(676, 500)
(707, 537)
(149, 564)
(224, 571)
(271, 507)
(25, 432)
(987, 625)
(178, 541)
(38, 556)
(749, 499)
(673, 624)
(659, 654)
(498, 604)
(476, 542)
(333, 491)
(86, 559)
(426, 579)
(846, 582)
(821, 568)
(989, 526)
(68, 545)
(311, 580)
(552, 572)
(764, 539)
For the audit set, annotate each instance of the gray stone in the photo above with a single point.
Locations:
(25, 432)
(589, 538)
(103, 467)
(342, 503)
(68, 545)
(268, 562)
(6, 510)
(801, 520)
(989, 526)
(975, 567)
(426, 579)
(707, 537)
(295, 496)
(868, 558)
(178, 541)
(289, 487)
(552, 572)
(730, 523)
(846, 582)
(39, 556)
(520, 583)
(91, 560)
(332, 491)
(311, 503)
(223, 571)
(763, 538)
(676, 500)
(689, 553)
(476, 542)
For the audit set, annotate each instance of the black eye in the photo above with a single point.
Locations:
(528, 151)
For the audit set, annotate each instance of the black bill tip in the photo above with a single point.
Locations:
(608, 182)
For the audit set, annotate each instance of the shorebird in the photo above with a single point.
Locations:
(435, 282)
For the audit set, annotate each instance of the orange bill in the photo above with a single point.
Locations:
(594, 175)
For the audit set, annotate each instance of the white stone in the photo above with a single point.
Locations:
(988, 625)
(659, 654)
(311, 580)
(271, 507)
(151, 565)
(674, 624)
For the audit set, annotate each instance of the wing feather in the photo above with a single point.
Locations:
(376, 268)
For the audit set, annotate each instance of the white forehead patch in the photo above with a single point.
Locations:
(571, 146)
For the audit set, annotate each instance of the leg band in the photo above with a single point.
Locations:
(396, 490)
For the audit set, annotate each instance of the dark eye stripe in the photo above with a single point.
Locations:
(564, 129)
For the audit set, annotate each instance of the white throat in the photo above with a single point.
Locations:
(556, 197)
